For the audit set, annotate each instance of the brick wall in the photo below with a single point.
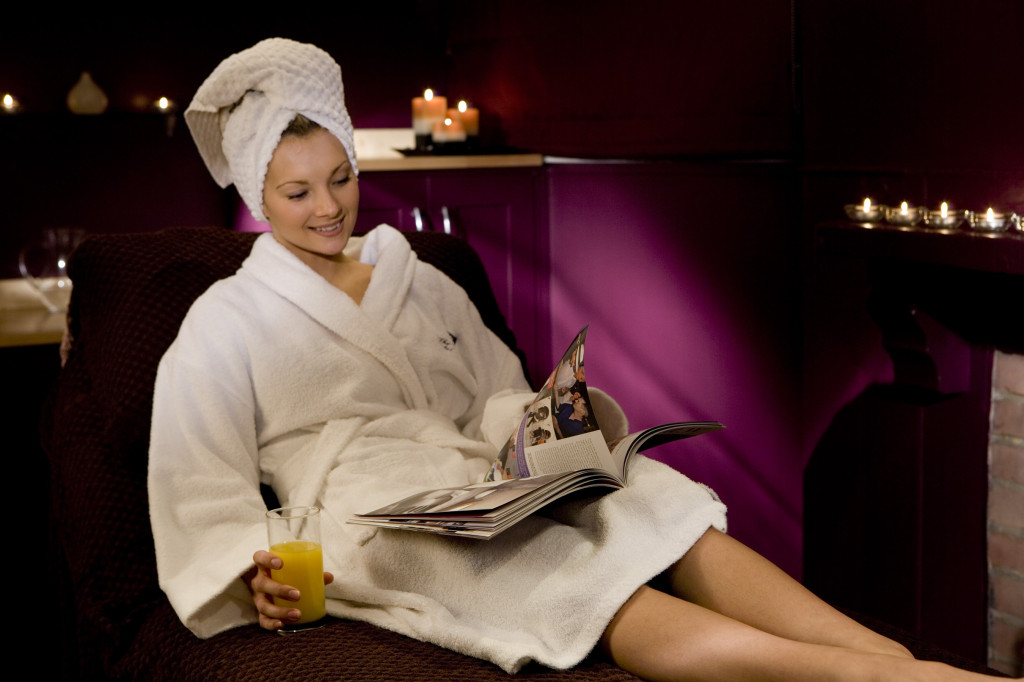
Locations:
(1006, 516)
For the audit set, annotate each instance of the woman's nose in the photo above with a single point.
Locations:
(326, 204)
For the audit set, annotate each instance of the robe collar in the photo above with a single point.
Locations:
(367, 325)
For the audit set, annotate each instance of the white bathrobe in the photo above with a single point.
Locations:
(276, 376)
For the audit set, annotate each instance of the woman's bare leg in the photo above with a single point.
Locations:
(725, 576)
(661, 637)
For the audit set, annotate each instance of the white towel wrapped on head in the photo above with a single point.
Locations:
(239, 112)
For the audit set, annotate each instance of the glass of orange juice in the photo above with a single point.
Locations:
(294, 535)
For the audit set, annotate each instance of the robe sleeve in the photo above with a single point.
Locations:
(206, 509)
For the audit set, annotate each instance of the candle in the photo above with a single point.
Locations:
(10, 104)
(166, 106)
(865, 213)
(944, 218)
(991, 221)
(426, 112)
(419, 113)
(449, 130)
(470, 117)
(904, 215)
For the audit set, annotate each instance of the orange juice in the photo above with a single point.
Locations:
(302, 568)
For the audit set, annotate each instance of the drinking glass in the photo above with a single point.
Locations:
(294, 535)
(43, 264)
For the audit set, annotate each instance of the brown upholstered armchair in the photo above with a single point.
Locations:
(131, 293)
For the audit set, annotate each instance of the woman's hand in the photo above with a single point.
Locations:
(273, 615)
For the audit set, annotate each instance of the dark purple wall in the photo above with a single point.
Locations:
(649, 78)
(688, 275)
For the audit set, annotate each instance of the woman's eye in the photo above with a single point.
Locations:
(342, 180)
(297, 195)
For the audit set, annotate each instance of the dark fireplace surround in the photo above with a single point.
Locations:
(896, 492)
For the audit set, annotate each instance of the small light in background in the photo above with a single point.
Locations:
(165, 105)
(9, 104)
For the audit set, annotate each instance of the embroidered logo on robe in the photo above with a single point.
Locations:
(448, 343)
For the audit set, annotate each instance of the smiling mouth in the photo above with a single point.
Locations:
(325, 229)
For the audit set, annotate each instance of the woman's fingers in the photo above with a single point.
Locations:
(266, 560)
(274, 616)
(269, 596)
(263, 583)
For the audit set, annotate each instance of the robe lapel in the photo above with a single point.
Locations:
(367, 327)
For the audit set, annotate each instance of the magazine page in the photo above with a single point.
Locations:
(585, 451)
(486, 516)
(626, 447)
(560, 411)
(479, 497)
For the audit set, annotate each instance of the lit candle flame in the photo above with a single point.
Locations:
(8, 101)
(428, 94)
(944, 210)
(903, 208)
(463, 106)
(163, 103)
(447, 122)
(989, 215)
(867, 205)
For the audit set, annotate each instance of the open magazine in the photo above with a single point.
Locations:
(557, 450)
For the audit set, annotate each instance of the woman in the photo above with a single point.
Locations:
(322, 368)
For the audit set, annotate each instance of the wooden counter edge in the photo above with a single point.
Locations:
(452, 162)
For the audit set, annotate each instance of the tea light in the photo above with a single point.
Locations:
(427, 111)
(991, 221)
(865, 213)
(944, 218)
(9, 104)
(905, 215)
(164, 105)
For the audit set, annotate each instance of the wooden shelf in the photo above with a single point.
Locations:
(443, 162)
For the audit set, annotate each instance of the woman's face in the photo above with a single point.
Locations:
(311, 196)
